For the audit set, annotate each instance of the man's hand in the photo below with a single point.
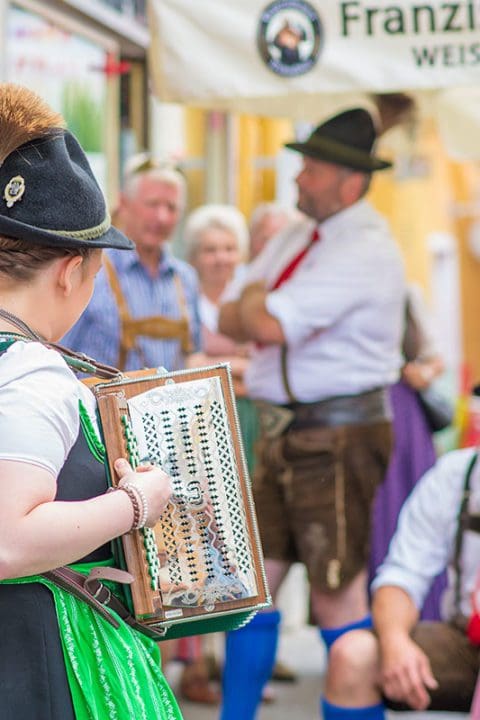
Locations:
(255, 319)
(256, 288)
(229, 322)
(406, 674)
(420, 374)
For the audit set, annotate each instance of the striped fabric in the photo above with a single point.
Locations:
(97, 332)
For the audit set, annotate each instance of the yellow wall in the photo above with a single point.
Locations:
(259, 141)
(465, 179)
(195, 143)
(440, 200)
(416, 197)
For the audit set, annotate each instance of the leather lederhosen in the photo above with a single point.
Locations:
(156, 327)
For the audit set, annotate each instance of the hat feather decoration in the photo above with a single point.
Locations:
(24, 116)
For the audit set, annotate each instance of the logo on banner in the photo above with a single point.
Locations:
(289, 37)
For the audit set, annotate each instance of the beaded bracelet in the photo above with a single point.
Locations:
(143, 501)
(137, 498)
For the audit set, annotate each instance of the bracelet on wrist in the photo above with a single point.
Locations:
(139, 504)
(144, 505)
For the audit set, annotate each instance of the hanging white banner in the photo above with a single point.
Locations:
(253, 54)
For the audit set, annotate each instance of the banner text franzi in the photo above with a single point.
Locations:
(435, 19)
(445, 17)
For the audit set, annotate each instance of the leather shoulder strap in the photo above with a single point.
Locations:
(462, 525)
(285, 380)
(115, 285)
(76, 360)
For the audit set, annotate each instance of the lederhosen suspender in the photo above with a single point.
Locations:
(157, 327)
(466, 521)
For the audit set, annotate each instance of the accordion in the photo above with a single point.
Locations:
(200, 569)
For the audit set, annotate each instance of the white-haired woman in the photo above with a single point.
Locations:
(216, 244)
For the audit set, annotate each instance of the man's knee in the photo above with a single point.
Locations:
(352, 666)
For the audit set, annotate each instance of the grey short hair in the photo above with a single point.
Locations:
(144, 165)
(271, 208)
(205, 217)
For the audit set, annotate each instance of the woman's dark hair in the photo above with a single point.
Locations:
(21, 261)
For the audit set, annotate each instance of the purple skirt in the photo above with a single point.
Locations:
(412, 456)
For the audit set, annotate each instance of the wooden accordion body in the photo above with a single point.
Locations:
(200, 568)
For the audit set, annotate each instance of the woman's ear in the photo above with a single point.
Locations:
(69, 273)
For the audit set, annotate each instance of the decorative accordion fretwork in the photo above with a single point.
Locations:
(183, 428)
(200, 568)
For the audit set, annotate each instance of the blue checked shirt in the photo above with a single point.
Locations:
(97, 332)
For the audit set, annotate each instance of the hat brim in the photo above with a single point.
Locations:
(334, 152)
(111, 238)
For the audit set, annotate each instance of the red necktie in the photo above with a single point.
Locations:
(288, 271)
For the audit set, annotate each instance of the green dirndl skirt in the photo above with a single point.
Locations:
(113, 673)
(249, 428)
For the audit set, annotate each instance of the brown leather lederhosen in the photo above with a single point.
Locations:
(298, 436)
(157, 327)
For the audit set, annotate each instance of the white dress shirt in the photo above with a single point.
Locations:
(341, 311)
(424, 542)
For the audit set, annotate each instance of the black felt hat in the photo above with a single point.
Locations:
(345, 139)
(48, 193)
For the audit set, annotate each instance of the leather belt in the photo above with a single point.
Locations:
(368, 407)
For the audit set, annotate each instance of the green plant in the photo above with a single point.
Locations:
(83, 115)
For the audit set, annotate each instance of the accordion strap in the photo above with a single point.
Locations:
(91, 590)
(79, 361)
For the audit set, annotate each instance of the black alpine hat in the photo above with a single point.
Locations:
(345, 139)
(48, 193)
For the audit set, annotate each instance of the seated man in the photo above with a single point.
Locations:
(405, 664)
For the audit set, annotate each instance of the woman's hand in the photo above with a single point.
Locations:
(154, 483)
(419, 374)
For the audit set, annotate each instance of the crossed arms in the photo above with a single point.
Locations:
(248, 318)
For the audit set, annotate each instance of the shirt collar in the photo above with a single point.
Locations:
(352, 214)
(128, 260)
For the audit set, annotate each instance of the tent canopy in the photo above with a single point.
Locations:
(305, 60)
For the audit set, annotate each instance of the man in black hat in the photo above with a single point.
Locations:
(323, 304)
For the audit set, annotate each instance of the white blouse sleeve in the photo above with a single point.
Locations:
(424, 540)
(39, 418)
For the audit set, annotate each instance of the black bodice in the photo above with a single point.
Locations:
(83, 477)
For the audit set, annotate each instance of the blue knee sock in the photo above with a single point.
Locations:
(335, 712)
(249, 660)
(329, 635)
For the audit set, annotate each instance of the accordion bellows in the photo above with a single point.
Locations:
(201, 567)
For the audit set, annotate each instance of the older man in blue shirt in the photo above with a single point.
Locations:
(148, 294)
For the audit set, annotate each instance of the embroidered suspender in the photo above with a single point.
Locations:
(156, 327)
(465, 522)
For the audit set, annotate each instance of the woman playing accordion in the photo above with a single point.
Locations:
(59, 657)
